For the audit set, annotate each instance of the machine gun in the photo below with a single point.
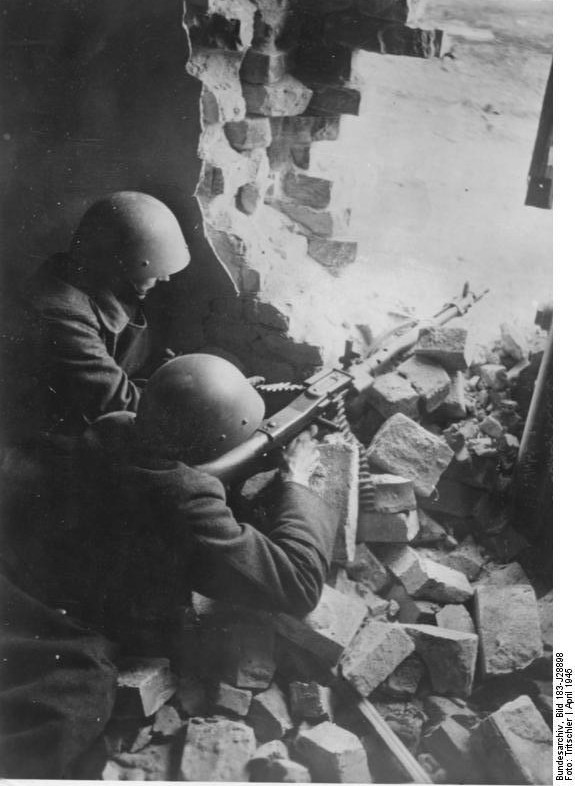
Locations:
(324, 389)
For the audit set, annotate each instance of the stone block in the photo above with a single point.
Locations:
(393, 10)
(248, 198)
(404, 681)
(269, 715)
(379, 527)
(328, 629)
(444, 345)
(507, 620)
(378, 607)
(313, 192)
(545, 608)
(440, 708)
(514, 342)
(402, 447)
(397, 39)
(320, 223)
(286, 97)
(216, 749)
(367, 569)
(450, 657)
(376, 651)
(450, 744)
(325, 129)
(311, 701)
(191, 695)
(429, 379)
(430, 531)
(250, 655)
(453, 498)
(454, 405)
(332, 754)
(231, 699)
(393, 494)
(329, 100)
(260, 68)
(493, 375)
(455, 617)
(405, 718)
(425, 579)
(335, 255)
(410, 610)
(249, 133)
(516, 743)
(392, 393)
(167, 722)
(153, 763)
(144, 685)
(467, 558)
(504, 575)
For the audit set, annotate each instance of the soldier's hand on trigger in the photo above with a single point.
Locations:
(300, 458)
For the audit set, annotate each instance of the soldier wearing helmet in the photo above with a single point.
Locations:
(89, 328)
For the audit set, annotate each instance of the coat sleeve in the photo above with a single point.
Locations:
(284, 570)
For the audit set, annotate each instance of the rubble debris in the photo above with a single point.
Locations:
(454, 405)
(191, 695)
(516, 743)
(216, 749)
(431, 532)
(455, 617)
(250, 655)
(231, 699)
(378, 607)
(392, 393)
(328, 629)
(410, 610)
(405, 680)
(144, 685)
(450, 657)
(508, 625)
(431, 381)
(453, 498)
(405, 718)
(425, 579)
(368, 570)
(332, 754)
(311, 701)
(467, 558)
(153, 763)
(440, 708)
(493, 376)
(269, 714)
(445, 345)
(545, 609)
(375, 652)
(376, 526)
(402, 447)
(280, 771)
(450, 745)
(167, 722)
(392, 493)
(504, 575)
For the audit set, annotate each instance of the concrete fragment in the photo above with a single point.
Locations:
(430, 380)
(449, 655)
(144, 685)
(306, 190)
(332, 754)
(404, 681)
(455, 617)
(216, 749)
(328, 629)
(336, 480)
(450, 744)
(286, 97)
(249, 133)
(167, 722)
(367, 569)
(445, 345)
(250, 655)
(392, 393)
(330, 100)
(393, 493)
(263, 67)
(516, 743)
(374, 654)
(269, 714)
(334, 255)
(380, 527)
(425, 579)
(311, 700)
(508, 623)
(404, 448)
(232, 699)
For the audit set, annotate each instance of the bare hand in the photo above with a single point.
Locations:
(300, 458)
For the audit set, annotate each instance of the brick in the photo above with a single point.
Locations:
(374, 654)
(450, 744)
(260, 68)
(380, 527)
(269, 714)
(410, 610)
(454, 405)
(167, 722)
(393, 493)
(377, 606)
(397, 39)
(336, 480)
(517, 743)
(404, 681)
(250, 655)
(392, 393)
(248, 198)
(335, 255)
(450, 657)
(328, 629)
(144, 685)
(311, 701)
(508, 623)
(444, 345)
(430, 380)
(394, 10)
(306, 190)
(493, 375)
(425, 579)
(402, 447)
(231, 699)
(367, 569)
(216, 749)
(333, 754)
(328, 100)
(300, 155)
(466, 558)
(249, 133)
(323, 223)
(286, 97)
(455, 617)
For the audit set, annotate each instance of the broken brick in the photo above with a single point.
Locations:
(449, 655)
(367, 569)
(286, 97)
(516, 743)
(430, 380)
(376, 526)
(450, 744)
(330, 100)
(267, 67)
(392, 493)
(250, 655)
(232, 699)
(425, 579)
(311, 701)
(249, 133)
(444, 345)
(333, 754)
(508, 624)
(455, 617)
(373, 655)
(216, 749)
(392, 393)
(144, 685)
(311, 191)
(404, 448)
(328, 629)
(269, 714)
(332, 254)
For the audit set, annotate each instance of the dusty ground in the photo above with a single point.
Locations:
(438, 163)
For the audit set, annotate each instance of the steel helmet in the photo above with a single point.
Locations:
(196, 408)
(131, 232)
